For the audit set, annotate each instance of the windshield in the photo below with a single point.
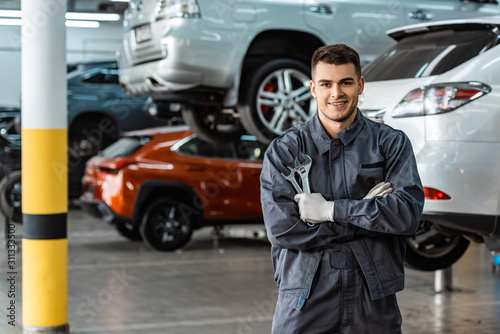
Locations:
(124, 147)
(429, 53)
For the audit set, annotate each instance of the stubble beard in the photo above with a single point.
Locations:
(341, 119)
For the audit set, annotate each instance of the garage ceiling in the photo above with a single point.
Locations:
(89, 6)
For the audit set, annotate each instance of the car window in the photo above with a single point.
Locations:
(429, 53)
(196, 146)
(113, 78)
(104, 76)
(124, 147)
(99, 78)
(248, 148)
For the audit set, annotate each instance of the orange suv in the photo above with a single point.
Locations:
(161, 184)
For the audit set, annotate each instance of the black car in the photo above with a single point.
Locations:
(98, 114)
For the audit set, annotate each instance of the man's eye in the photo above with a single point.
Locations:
(347, 83)
(325, 85)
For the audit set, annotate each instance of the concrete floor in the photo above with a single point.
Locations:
(226, 287)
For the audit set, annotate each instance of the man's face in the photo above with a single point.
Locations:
(336, 87)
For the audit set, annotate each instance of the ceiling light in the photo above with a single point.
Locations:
(93, 16)
(82, 24)
(69, 23)
(10, 22)
(10, 13)
(70, 16)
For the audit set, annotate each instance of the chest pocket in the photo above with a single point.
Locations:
(369, 174)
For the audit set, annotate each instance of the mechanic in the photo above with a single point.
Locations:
(338, 251)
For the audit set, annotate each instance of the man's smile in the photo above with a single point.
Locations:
(338, 104)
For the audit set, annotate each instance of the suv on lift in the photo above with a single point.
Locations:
(244, 65)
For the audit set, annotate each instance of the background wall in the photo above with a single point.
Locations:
(83, 44)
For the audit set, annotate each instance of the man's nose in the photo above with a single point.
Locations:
(336, 91)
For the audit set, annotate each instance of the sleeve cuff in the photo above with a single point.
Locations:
(340, 211)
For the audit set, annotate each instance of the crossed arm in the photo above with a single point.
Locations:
(315, 209)
(308, 221)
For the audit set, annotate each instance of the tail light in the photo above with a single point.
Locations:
(439, 98)
(115, 167)
(167, 9)
(434, 194)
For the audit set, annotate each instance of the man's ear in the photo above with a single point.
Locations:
(313, 88)
(361, 85)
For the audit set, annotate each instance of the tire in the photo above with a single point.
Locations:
(210, 124)
(167, 224)
(10, 196)
(276, 98)
(129, 231)
(430, 249)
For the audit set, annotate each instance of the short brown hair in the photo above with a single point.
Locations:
(336, 54)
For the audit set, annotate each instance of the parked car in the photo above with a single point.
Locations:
(10, 171)
(10, 161)
(245, 65)
(10, 120)
(161, 184)
(10, 141)
(439, 84)
(98, 113)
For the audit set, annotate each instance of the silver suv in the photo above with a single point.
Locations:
(238, 66)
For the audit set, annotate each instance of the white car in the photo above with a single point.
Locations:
(244, 66)
(440, 84)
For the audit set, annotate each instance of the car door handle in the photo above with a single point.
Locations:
(420, 15)
(194, 168)
(321, 9)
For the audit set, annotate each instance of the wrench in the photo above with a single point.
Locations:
(291, 178)
(303, 170)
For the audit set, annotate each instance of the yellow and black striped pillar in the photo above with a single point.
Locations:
(44, 167)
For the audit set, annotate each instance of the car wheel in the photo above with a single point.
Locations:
(430, 249)
(210, 124)
(10, 196)
(167, 224)
(277, 97)
(129, 231)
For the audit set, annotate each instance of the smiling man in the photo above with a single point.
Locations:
(338, 251)
(337, 87)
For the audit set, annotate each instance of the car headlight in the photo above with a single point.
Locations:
(439, 98)
(167, 9)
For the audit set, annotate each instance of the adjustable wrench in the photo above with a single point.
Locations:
(291, 178)
(303, 170)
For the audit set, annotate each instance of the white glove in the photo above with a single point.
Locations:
(381, 189)
(314, 208)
